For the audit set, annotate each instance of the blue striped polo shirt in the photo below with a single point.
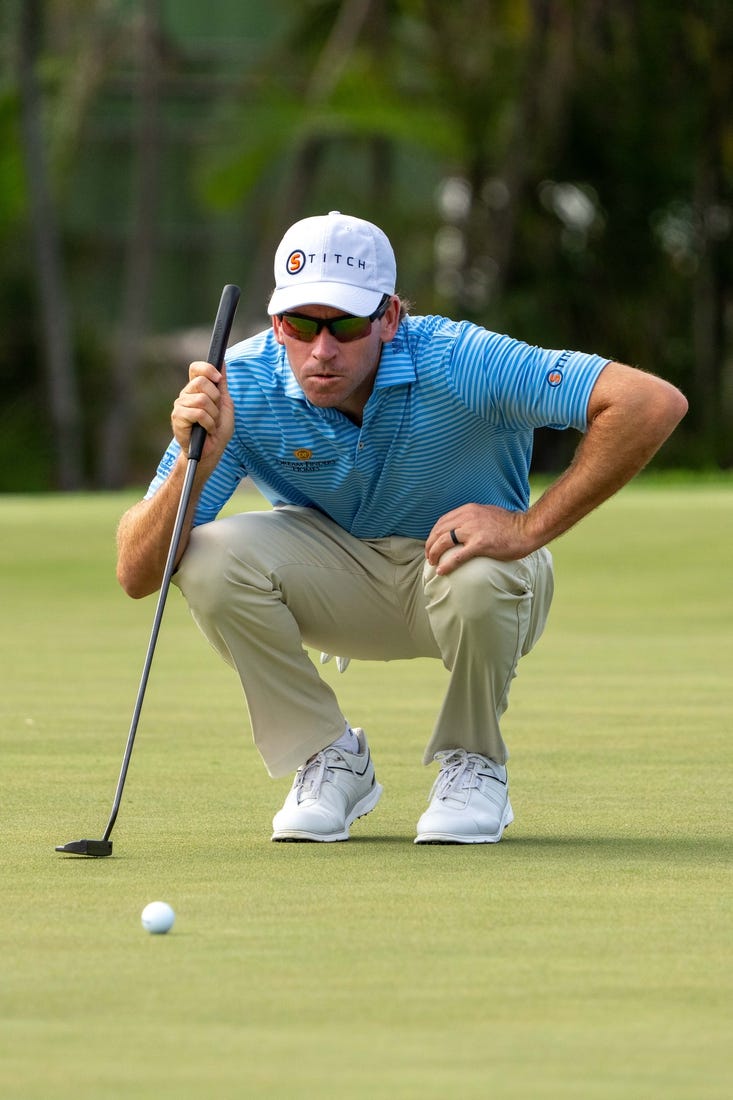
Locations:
(450, 421)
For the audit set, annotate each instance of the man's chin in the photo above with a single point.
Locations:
(323, 392)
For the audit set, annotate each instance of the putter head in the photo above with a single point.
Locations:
(86, 847)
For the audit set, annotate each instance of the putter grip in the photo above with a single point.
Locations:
(217, 347)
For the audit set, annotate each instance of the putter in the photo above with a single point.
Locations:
(219, 339)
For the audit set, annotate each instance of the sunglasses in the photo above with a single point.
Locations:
(344, 329)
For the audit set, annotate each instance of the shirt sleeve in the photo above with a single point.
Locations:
(216, 492)
(520, 386)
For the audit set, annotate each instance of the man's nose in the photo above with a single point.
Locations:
(325, 345)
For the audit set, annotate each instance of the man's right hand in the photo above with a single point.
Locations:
(204, 400)
(145, 530)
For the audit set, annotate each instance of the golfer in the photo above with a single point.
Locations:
(395, 451)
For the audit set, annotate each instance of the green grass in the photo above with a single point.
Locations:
(586, 956)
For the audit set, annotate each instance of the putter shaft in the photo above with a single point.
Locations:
(217, 348)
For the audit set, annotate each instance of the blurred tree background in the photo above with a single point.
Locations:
(559, 170)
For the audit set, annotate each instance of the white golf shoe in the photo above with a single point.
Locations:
(469, 802)
(329, 792)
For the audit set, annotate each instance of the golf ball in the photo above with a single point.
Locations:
(157, 916)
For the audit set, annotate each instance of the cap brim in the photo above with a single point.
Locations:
(349, 299)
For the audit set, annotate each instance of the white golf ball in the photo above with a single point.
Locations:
(157, 916)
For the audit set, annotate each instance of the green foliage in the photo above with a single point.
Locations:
(560, 171)
(12, 184)
(362, 107)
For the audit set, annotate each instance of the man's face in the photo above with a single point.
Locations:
(334, 375)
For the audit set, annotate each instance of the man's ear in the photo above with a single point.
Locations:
(391, 320)
(277, 328)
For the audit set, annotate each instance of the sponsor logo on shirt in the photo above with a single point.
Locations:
(305, 464)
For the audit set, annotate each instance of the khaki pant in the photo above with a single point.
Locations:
(261, 585)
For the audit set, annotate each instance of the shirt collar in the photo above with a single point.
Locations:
(396, 367)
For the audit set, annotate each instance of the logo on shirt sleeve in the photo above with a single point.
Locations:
(555, 376)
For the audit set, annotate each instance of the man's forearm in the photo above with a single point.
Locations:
(622, 437)
(145, 531)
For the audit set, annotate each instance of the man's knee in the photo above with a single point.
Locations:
(480, 585)
(215, 559)
(200, 569)
(491, 604)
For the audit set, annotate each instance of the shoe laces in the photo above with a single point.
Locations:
(458, 772)
(311, 775)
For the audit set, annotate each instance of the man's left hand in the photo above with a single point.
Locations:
(474, 531)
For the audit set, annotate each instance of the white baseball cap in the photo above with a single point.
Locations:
(333, 260)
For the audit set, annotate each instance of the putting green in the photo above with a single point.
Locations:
(586, 956)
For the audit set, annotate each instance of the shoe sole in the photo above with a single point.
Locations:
(361, 809)
(456, 838)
